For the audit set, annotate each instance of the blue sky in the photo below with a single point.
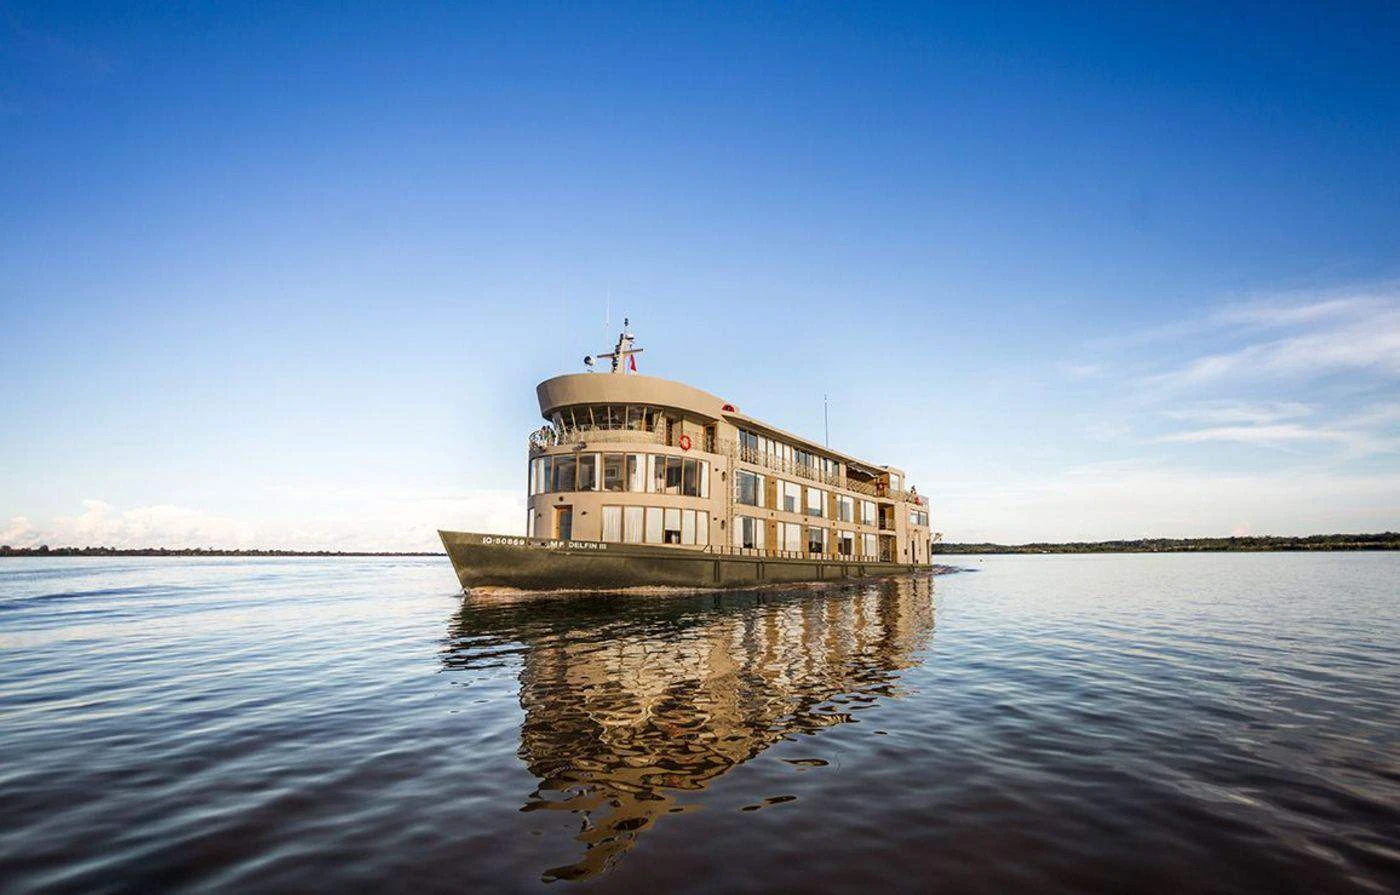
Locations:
(275, 276)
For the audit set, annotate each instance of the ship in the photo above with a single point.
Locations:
(636, 481)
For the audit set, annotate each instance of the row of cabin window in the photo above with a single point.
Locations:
(609, 416)
(749, 490)
(750, 533)
(753, 446)
(656, 525)
(918, 517)
(640, 473)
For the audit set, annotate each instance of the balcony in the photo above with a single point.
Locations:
(733, 449)
(548, 436)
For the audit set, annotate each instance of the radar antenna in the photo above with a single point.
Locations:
(623, 355)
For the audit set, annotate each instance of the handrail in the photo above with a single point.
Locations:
(733, 449)
(764, 552)
(572, 435)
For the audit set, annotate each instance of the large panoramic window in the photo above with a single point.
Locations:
(869, 546)
(612, 472)
(672, 531)
(845, 508)
(867, 512)
(632, 524)
(673, 475)
(690, 478)
(612, 524)
(748, 532)
(792, 536)
(588, 472)
(846, 543)
(654, 525)
(792, 497)
(748, 488)
(816, 500)
(636, 472)
(816, 540)
(564, 469)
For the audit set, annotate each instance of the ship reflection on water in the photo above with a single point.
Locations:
(630, 703)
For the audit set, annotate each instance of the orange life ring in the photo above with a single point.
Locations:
(684, 442)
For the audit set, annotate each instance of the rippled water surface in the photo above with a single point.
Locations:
(1218, 722)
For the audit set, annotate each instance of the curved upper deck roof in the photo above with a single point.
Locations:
(611, 388)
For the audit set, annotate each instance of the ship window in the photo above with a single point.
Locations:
(546, 479)
(588, 472)
(612, 472)
(702, 528)
(691, 479)
(656, 473)
(792, 497)
(845, 543)
(845, 508)
(564, 473)
(687, 526)
(672, 532)
(868, 543)
(530, 523)
(612, 524)
(816, 540)
(867, 512)
(815, 499)
(536, 466)
(654, 525)
(748, 488)
(673, 475)
(632, 525)
(704, 479)
(748, 533)
(636, 469)
(792, 536)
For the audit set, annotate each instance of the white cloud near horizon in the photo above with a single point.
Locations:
(1107, 501)
(319, 519)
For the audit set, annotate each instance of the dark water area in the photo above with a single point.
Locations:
(1200, 723)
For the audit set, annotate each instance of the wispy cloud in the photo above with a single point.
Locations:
(1252, 412)
(1329, 336)
(1356, 442)
(1276, 313)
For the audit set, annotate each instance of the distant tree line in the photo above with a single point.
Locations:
(1384, 541)
(46, 550)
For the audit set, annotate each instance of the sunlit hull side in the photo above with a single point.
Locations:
(486, 560)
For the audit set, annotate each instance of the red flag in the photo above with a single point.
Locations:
(632, 362)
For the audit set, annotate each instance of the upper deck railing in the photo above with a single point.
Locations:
(540, 441)
(731, 448)
(573, 434)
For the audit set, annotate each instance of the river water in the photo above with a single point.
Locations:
(1221, 722)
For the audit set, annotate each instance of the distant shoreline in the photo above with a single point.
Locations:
(196, 551)
(1250, 544)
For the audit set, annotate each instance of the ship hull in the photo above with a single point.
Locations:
(486, 560)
